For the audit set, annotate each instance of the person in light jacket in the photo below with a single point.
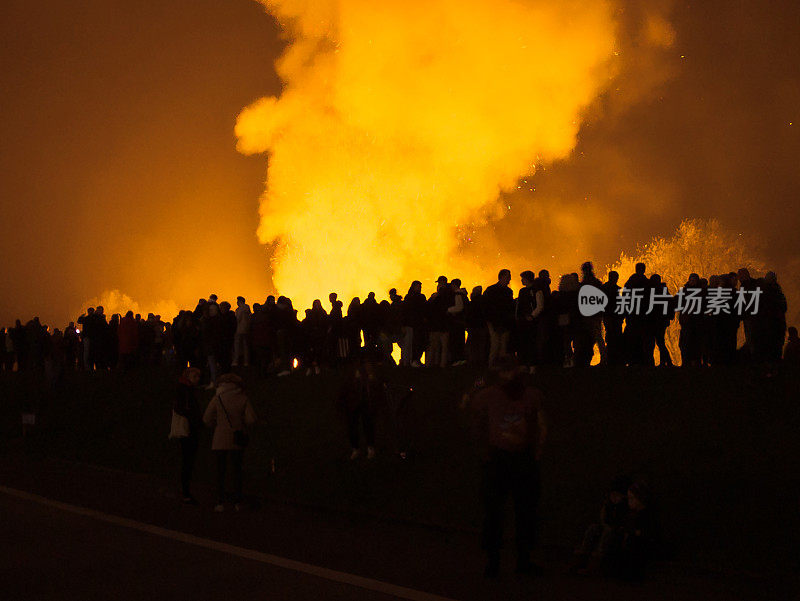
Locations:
(229, 411)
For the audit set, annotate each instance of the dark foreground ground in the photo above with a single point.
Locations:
(720, 448)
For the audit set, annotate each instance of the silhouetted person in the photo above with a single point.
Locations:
(636, 331)
(747, 284)
(438, 337)
(187, 405)
(412, 318)
(477, 331)
(352, 324)
(210, 339)
(591, 326)
(690, 338)
(370, 321)
(339, 343)
(530, 302)
(261, 339)
(227, 335)
(241, 341)
(498, 302)
(315, 327)
(514, 424)
(128, 337)
(361, 396)
(791, 352)
(603, 538)
(657, 323)
(456, 320)
(771, 320)
(395, 317)
(637, 546)
(545, 320)
(612, 321)
(565, 308)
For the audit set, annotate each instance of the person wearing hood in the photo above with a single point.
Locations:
(230, 413)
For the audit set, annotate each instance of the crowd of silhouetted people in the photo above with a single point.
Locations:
(541, 324)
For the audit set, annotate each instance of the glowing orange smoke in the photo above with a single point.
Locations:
(403, 120)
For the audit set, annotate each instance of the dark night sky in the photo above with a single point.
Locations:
(118, 166)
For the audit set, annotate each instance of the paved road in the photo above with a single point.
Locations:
(48, 553)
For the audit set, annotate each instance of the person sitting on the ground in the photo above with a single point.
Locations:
(637, 545)
(602, 537)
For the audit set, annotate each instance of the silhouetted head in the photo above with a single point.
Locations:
(694, 280)
(416, 286)
(129, 315)
(641, 268)
(743, 275)
(230, 378)
(655, 279)
(527, 277)
(191, 376)
(212, 298)
(568, 282)
(771, 277)
(613, 277)
(476, 293)
(587, 269)
(504, 277)
(240, 300)
(332, 297)
(455, 284)
(317, 304)
(619, 489)
(792, 331)
(90, 311)
(270, 301)
(506, 368)
(441, 280)
(371, 297)
(638, 496)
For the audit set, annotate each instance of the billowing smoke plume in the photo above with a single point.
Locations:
(402, 122)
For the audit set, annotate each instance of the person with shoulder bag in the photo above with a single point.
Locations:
(230, 413)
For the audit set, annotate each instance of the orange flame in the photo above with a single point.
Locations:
(401, 121)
